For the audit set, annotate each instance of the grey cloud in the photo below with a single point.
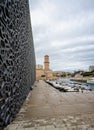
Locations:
(65, 44)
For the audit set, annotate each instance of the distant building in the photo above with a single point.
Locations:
(40, 72)
(61, 74)
(91, 68)
(46, 73)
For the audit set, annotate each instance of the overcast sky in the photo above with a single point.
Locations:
(64, 30)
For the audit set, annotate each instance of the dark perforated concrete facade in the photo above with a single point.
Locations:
(17, 59)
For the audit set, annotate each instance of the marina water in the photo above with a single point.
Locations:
(69, 82)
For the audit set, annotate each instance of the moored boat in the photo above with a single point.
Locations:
(90, 81)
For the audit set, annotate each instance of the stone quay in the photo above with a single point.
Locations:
(48, 109)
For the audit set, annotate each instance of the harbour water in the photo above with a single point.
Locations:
(69, 82)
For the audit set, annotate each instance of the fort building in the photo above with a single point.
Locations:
(46, 63)
(40, 72)
(44, 73)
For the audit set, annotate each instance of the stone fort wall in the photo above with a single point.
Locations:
(17, 59)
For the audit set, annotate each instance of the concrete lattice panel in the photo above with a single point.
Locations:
(17, 59)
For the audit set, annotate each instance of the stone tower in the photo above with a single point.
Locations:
(46, 63)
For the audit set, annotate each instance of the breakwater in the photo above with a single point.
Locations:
(17, 59)
(79, 80)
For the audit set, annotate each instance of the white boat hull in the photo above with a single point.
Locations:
(90, 81)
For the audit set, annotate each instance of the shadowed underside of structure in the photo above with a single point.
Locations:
(17, 59)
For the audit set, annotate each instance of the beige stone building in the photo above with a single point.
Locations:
(46, 73)
(61, 74)
(40, 72)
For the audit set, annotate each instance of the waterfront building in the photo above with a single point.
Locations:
(46, 73)
(91, 68)
(61, 74)
(40, 72)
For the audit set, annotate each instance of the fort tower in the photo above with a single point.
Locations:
(46, 63)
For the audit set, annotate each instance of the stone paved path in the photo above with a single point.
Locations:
(48, 109)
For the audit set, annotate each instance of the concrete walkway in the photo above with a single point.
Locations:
(48, 109)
